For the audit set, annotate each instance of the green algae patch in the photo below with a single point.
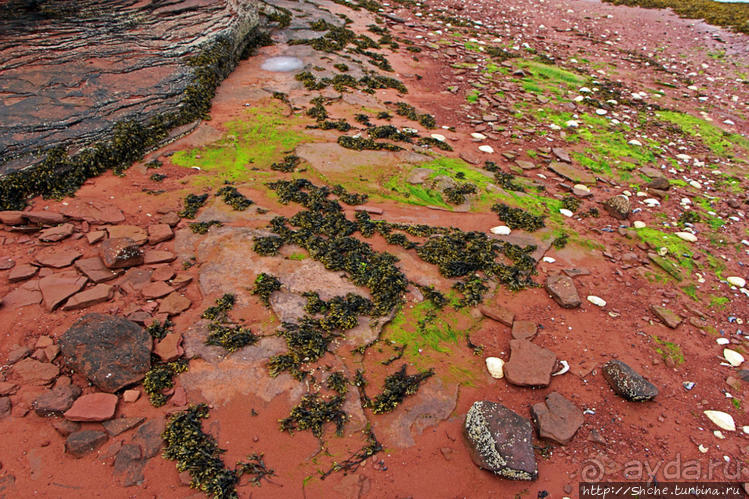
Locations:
(255, 141)
(720, 142)
(423, 328)
(677, 247)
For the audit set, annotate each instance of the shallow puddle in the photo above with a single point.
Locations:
(282, 64)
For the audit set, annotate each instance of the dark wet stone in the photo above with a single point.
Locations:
(82, 442)
(56, 401)
(111, 352)
(627, 383)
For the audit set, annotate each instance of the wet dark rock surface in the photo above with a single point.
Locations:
(70, 72)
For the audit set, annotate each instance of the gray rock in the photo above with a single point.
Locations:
(627, 382)
(56, 401)
(111, 352)
(659, 183)
(500, 441)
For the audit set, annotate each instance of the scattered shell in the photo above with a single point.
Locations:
(488, 149)
(437, 136)
(500, 230)
(702, 448)
(565, 212)
(652, 202)
(687, 236)
(596, 300)
(478, 136)
(639, 224)
(688, 385)
(722, 341)
(564, 369)
(739, 282)
(721, 420)
(548, 259)
(733, 357)
(634, 142)
(695, 184)
(495, 366)
(719, 435)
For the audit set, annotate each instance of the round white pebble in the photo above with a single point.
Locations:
(565, 212)
(639, 224)
(500, 230)
(478, 136)
(488, 149)
(437, 136)
(687, 236)
(737, 281)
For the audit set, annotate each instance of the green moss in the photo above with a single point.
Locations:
(677, 247)
(720, 142)
(473, 96)
(719, 302)
(671, 352)
(256, 140)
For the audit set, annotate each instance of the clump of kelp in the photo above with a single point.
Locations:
(60, 174)
(314, 412)
(407, 110)
(338, 38)
(266, 285)
(160, 378)
(397, 387)
(341, 82)
(517, 218)
(198, 453)
(733, 15)
(234, 198)
(192, 204)
(221, 332)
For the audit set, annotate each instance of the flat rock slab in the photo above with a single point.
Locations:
(562, 289)
(111, 352)
(524, 330)
(498, 313)
(80, 443)
(627, 382)
(158, 289)
(669, 318)
(23, 296)
(22, 272)
(500, 441)
(59, 287)
(529, 365)
(32, 372)
(56, 401)
(92, 407)
(58, 258)
(158, 233)
(557, 418)
(93, 212)
(137, 234)
(174, 304)
(55, 234)
(120, 425)
(94, 269)
(152, 257)
(90, 297)
(574, 174)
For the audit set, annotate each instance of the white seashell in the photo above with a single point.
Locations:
(596, 300)
(478, 136)
(733, 357)
(722, 341)
(652, 202)
(639, 224)
(719, 435)
(565, 212)
(437, 136)
(548, 259)
(702, 448)
(500, 230)
(721, 420)
(488, 149)
(634, 142)
(495, 366)
(564, 369)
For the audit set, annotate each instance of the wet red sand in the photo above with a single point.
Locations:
(438, 465)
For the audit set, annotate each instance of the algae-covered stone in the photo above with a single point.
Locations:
(500, 441)
(627, 382)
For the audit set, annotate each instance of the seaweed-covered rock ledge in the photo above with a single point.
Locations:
(89, 86)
